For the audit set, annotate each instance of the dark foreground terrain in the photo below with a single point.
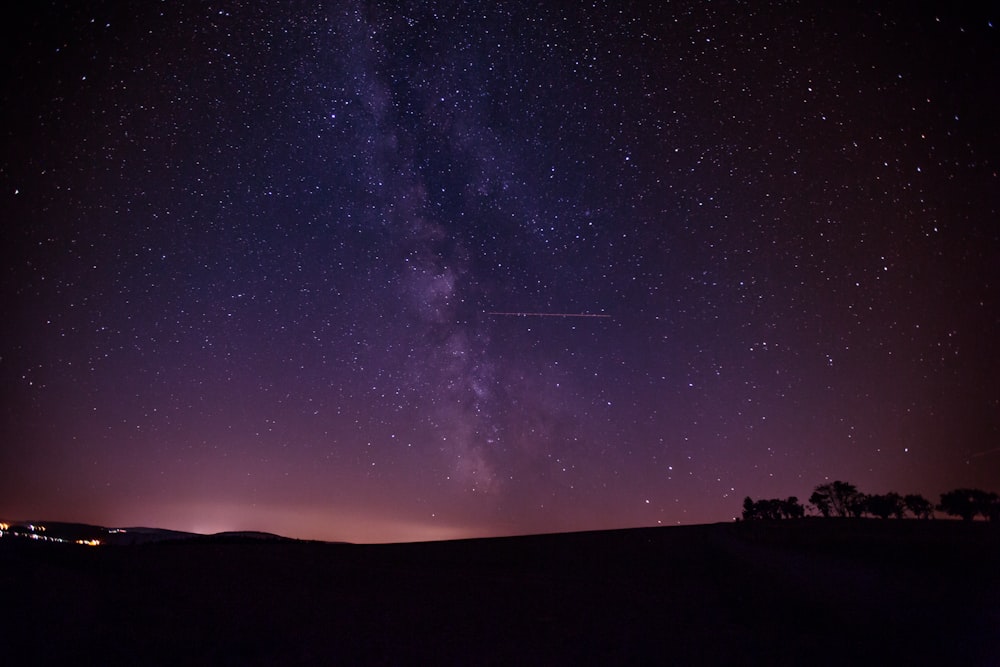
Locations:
(811, 592)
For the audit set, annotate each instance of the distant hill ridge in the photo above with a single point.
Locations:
(63, 531)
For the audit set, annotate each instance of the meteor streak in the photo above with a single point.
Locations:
(984, 453)
(501, 314)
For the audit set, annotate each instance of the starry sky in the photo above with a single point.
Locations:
(315, 268)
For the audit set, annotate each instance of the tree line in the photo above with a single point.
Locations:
(841, 499)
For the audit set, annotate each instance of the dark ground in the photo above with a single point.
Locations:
(812, 592)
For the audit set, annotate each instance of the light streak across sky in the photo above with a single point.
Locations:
(505, 314)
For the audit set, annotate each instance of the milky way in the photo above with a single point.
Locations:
(374, 272)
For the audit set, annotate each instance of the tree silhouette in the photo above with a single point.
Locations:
(898, 506)
(841, 499)
(857, 505)
(791, 508)
(761, 509)
(965, 503)
(821, 502)
(884, 506)
(837, 498)
(991, 507)
(918, 506)
(772, 509)
(984, 503)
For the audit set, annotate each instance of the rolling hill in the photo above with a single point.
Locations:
(817, 592)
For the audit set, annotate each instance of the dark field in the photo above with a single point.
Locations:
(812, 592)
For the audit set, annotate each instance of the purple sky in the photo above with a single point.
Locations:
(254, 254)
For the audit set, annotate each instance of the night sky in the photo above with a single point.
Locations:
(319, 270)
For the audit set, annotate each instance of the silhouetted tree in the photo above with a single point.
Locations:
(857, 505)
(768, 509)
(965, 503)
(772, 509)
(898, 506)
(791, 508)
(987, 504)
(884, 506)
(821, 502)
(992, 507)
(836, 498)
(918, 506)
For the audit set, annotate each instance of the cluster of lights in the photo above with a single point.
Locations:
(35, 532)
